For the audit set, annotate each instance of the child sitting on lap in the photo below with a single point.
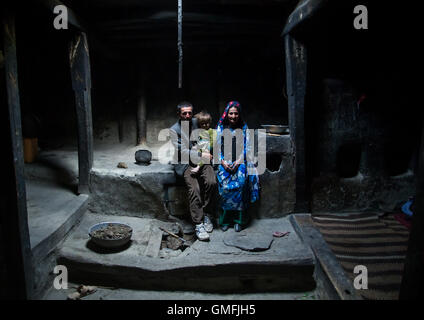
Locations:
(206, 137)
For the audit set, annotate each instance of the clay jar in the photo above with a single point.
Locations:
(143, 157)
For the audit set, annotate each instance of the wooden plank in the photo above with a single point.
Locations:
(296, 62)
(81, 83)
(155, 240)
(339, 282)
(14, 216)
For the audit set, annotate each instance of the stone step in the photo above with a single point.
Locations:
(137, 191)
(287, 266)
(52, 211)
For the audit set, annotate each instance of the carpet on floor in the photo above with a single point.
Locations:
(378, 242)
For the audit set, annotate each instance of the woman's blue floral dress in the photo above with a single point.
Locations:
(239, 189)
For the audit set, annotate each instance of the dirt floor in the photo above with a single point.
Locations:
(103, 293)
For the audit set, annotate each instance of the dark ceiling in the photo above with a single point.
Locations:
(152, 23)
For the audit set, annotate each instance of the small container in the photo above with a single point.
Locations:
(109, 243)
(276, 129)
(143, 157)
(30, 149)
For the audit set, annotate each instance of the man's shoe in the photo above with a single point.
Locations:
(224, 228)
(237, 227)
(201, 233)
(207, 223)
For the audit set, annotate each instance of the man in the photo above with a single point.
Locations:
(205, 177)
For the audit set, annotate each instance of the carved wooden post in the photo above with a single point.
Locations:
(81, 83)
(13, 208)
(296, 63)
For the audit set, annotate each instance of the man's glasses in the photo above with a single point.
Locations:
(186, 113)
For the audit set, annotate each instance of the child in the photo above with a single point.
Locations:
(206, 137)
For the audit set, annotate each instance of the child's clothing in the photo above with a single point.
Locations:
(206, 141)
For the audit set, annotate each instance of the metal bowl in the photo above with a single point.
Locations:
(109, 243)
(276, 128)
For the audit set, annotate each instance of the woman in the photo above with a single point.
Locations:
(236, 187)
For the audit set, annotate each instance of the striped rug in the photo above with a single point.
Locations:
(378, 243)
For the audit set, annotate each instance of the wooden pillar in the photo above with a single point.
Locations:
(296, 63)
(14, 232)
(412, 286)
(141, 112)
(81, 83)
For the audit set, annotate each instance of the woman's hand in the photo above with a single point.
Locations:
(231, 168)
(234, 167)
(226, 166)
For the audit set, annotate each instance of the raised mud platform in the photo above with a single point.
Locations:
(287, 266)
(154, 191)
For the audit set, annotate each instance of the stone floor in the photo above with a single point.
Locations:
(206, 270)
(53, 209)
(213, 266)
(103, 293)
(61, 164)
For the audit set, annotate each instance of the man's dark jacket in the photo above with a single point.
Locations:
(182, 145)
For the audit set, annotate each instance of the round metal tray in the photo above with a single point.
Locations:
(109, 243)
(276, 129)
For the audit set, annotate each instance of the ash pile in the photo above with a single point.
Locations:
(174, 238)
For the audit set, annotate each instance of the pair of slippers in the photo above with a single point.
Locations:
(237, 228)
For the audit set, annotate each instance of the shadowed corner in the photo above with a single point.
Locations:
(98, 249)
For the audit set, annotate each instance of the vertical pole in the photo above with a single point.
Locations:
(180, 43)
(296, 63)
(141, 112)
(14, 217)
(81, 84)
